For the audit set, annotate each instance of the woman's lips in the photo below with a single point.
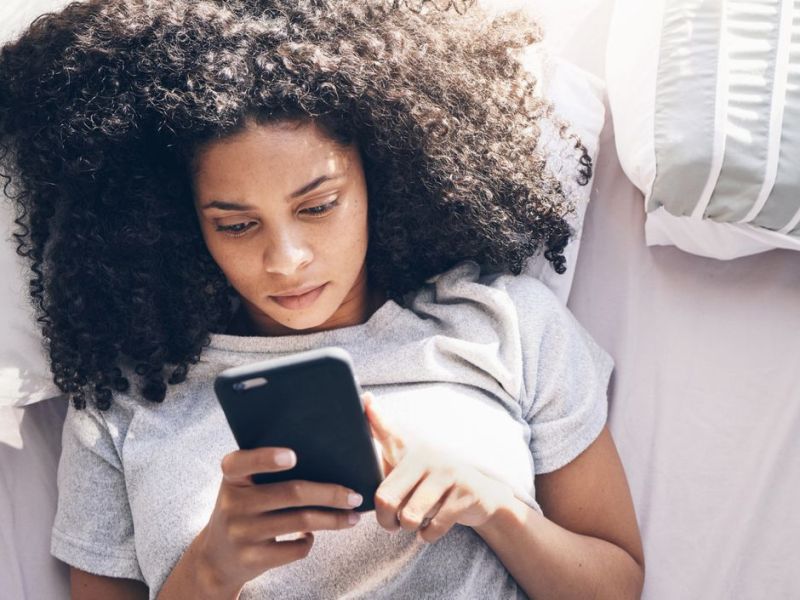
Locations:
(304, 299)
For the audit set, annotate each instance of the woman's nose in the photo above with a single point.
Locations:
(286, 254)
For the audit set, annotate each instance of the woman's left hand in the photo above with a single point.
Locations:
(427, 490)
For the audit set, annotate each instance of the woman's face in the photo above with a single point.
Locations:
(283, 210)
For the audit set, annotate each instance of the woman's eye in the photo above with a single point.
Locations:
(237, 229)
(320, 209)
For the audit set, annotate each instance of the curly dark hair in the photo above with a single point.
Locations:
(103, 105)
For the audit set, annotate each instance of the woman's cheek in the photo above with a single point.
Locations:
(239, 265)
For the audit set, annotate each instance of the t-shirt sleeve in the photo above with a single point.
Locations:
(93, 529)
(566, 383)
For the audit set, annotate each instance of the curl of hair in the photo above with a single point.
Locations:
(103, 105)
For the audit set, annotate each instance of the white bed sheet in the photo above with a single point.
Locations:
(705, 400)
(30, 444)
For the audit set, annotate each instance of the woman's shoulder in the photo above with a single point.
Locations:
(467, 283)
(90, 421)
(129, 400)
(469, 303)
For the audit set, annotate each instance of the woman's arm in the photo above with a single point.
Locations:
(240, 540)
(87, 586)
(587, 545)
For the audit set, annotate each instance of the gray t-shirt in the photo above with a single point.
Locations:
(491, 367)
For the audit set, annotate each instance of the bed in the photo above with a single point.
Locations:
(704, 404)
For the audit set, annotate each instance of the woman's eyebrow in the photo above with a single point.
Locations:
(312, 185)
(225, 205)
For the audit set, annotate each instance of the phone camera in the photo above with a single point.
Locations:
(249, 384)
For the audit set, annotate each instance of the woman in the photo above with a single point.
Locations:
(206, 184)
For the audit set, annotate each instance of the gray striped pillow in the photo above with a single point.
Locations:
(725, 85)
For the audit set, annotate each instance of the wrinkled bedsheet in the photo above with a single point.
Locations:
(705, 400)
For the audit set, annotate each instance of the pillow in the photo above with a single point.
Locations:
(705, 98)
(573, 30)
(577, 97)
(24, 372)
(567, 66)
(16, 15)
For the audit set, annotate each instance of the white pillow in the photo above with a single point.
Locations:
(705, 98)
(16, 15)
(24, 372)
(566, 65)
(578, 98)
(574, 30)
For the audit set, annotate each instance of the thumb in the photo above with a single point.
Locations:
(391, 443)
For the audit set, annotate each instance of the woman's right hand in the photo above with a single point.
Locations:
(238, 543)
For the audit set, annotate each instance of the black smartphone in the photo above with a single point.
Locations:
(309, 402)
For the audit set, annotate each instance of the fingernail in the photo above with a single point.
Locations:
(353, 518)
(285, 458)
(354, 499)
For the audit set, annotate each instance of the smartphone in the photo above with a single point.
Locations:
(309, 402)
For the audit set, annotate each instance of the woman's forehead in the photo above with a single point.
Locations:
(284, 156)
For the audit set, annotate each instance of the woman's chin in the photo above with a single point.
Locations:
(298, 321)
